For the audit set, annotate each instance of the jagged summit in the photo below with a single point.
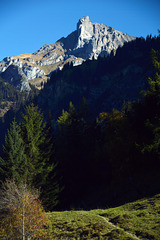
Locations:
(92, 39)
(88, 40)
(85, 27)
(82, 20)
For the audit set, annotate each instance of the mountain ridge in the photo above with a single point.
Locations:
(87, 41)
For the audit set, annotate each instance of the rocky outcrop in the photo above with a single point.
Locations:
(15, 76)
(32, 72)
(8, 61)
(45, 48)
(87, 41)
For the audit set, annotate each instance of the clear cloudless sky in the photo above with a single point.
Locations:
(26, 25)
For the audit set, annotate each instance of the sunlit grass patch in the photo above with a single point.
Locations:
(140, 218)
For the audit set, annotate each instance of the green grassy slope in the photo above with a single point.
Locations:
(136, 220)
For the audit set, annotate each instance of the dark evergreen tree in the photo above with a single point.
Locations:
(37, 145)
(151, 104)
(13, 161)
(39, 150)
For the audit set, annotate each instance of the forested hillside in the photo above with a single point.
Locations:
(115, 157)
(106, 83)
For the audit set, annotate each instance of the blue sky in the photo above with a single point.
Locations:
(26, 25)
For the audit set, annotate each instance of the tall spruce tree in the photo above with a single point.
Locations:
(37, 146)
(39, 150)
(13, 161)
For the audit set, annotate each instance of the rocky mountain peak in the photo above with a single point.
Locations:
(83, 20)
(85, 24)
(85, 31)
(87, 41)
(93, 39)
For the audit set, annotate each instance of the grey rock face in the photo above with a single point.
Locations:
(50, 59)
(32, 72)
(90, 39)
(15, 76)
(85, 31)
(8, 61)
